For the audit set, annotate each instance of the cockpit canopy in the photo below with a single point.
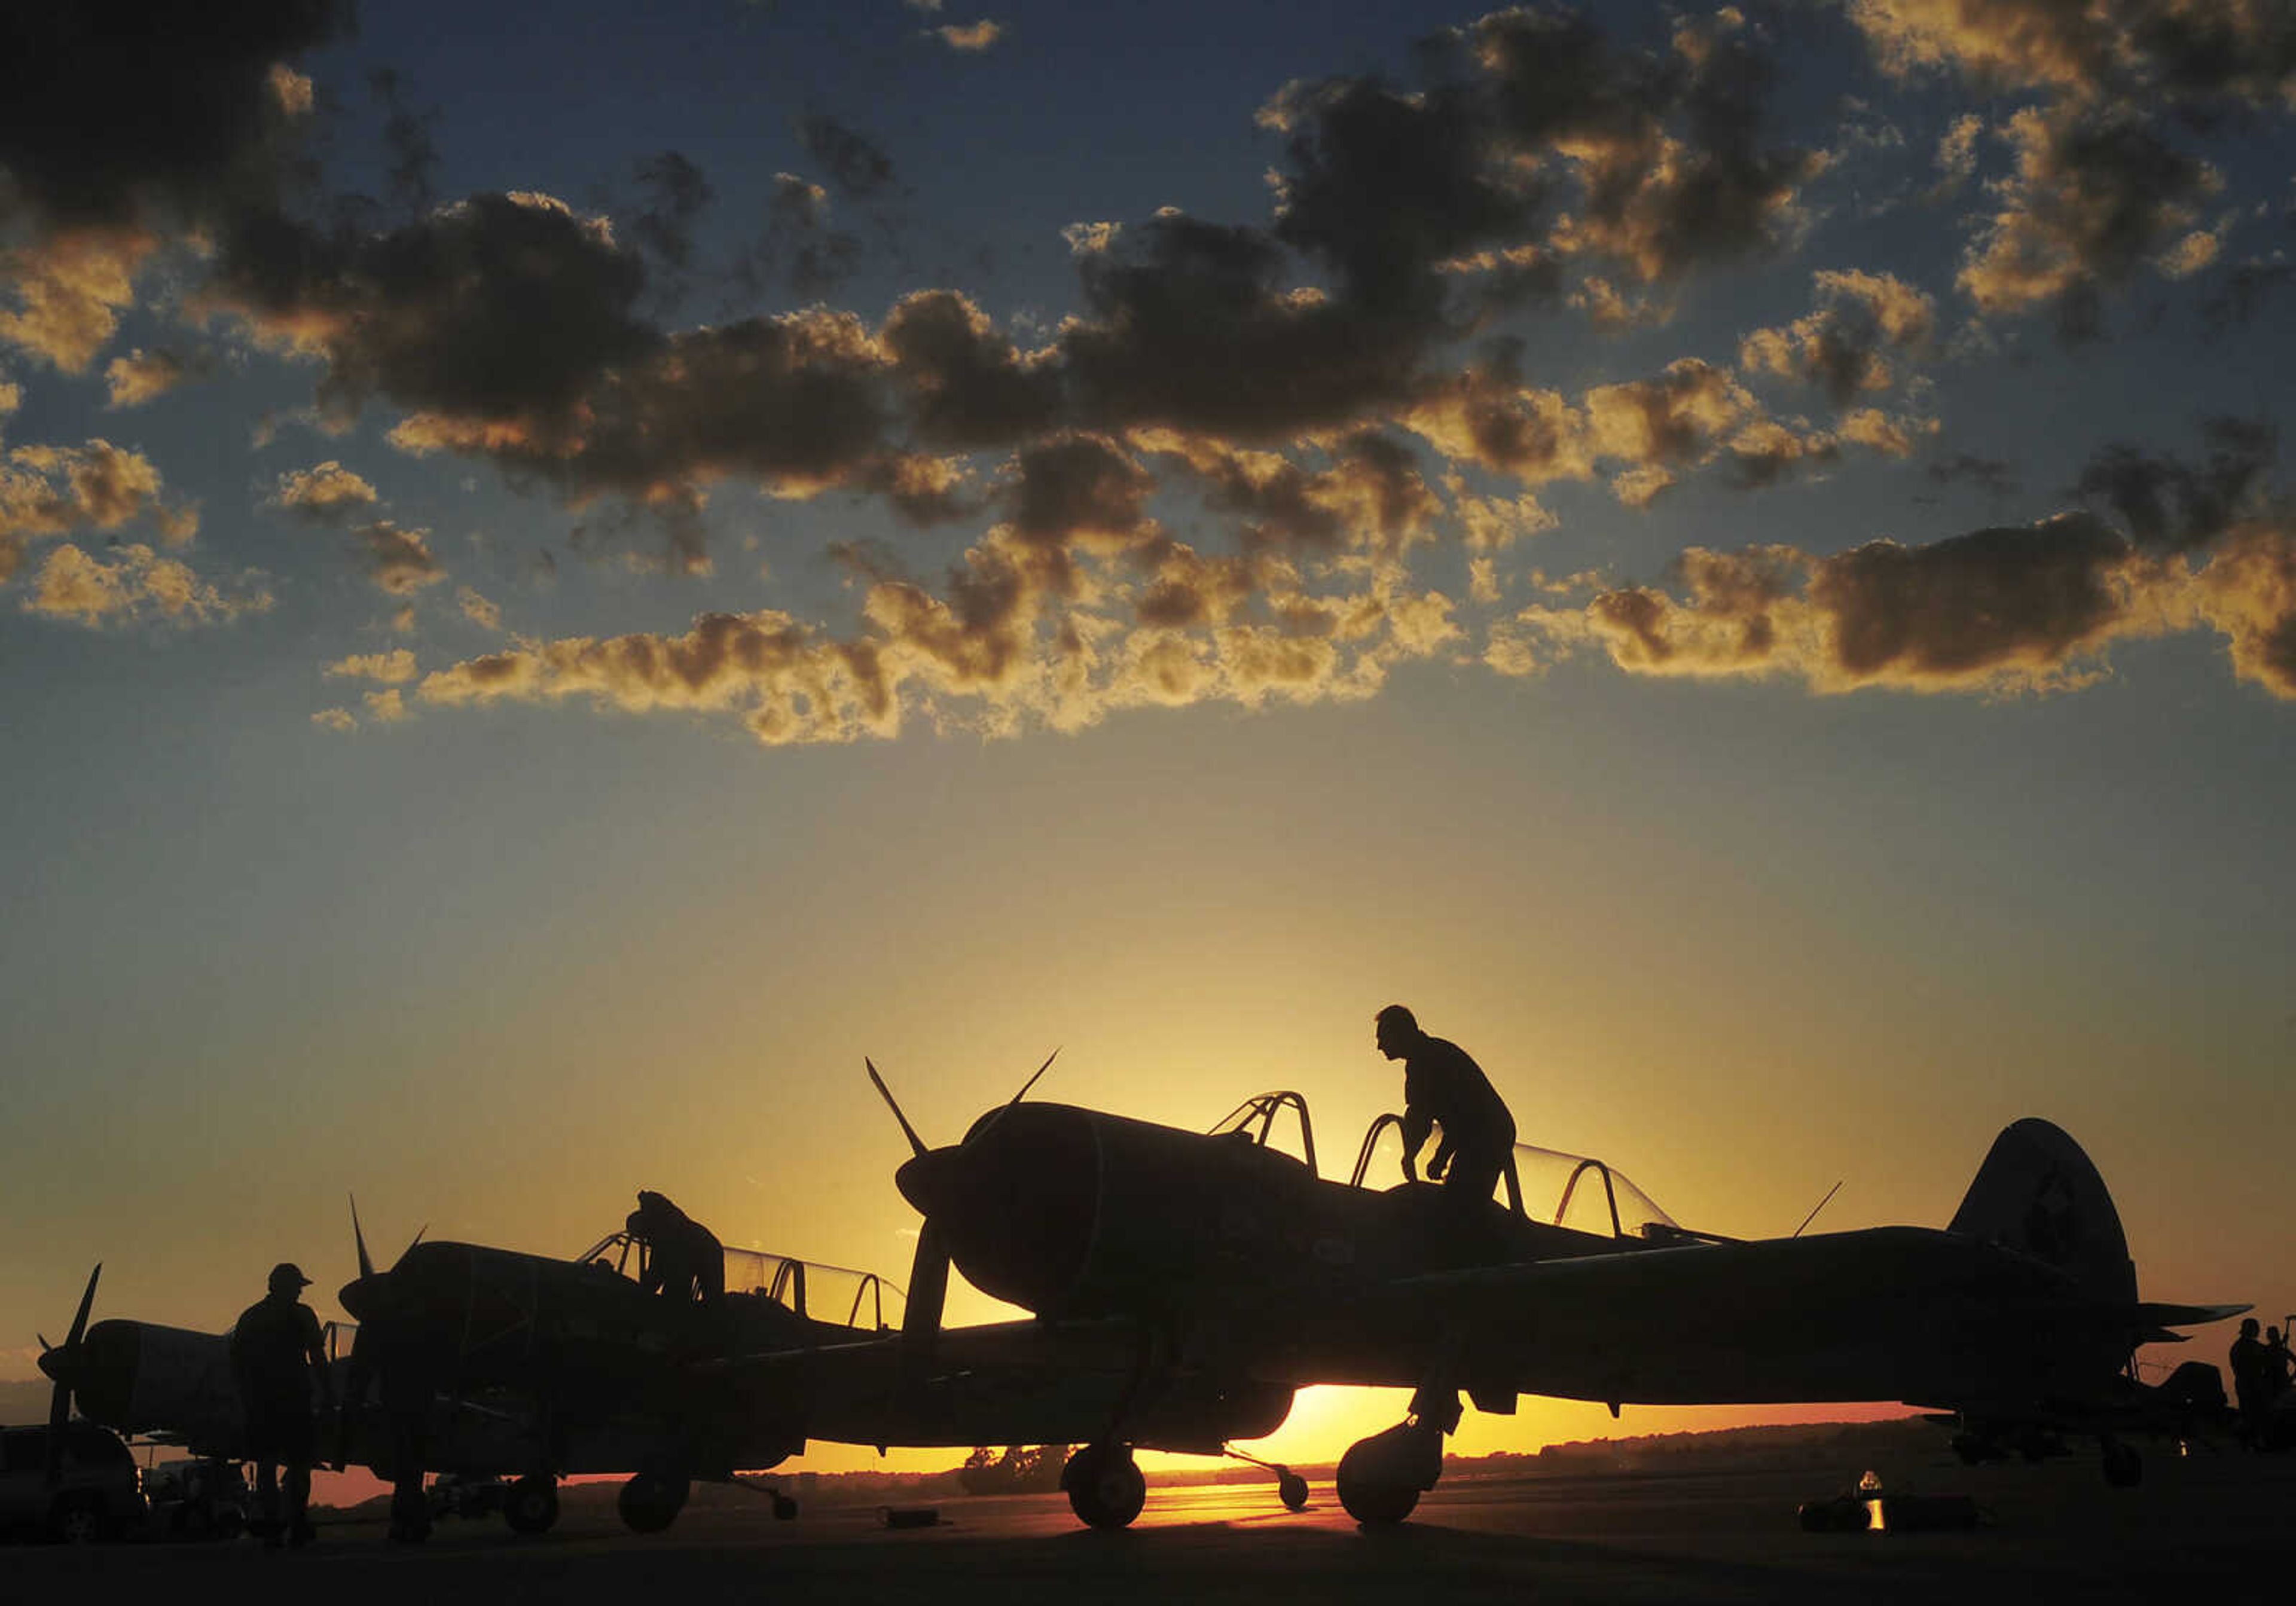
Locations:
(834, 1294)
(1565, 1190)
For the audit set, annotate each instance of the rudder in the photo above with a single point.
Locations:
(2038, 1194)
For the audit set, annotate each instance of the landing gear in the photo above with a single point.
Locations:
(531, 1506)
(2124, 1468)
(1105, 1486)
(651, 1501)
(1291, 1489)
(1382, 1478)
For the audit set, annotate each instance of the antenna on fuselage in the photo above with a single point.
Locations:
(1815, 1209)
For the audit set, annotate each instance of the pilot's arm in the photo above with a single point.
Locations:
(1416, 1125)
(1440, 1165)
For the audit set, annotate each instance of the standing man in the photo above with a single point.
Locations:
(277, 1357)
(685, 1261)
(2250, 1362)
(1443, 1087)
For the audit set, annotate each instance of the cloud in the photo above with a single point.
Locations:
(2096, 195)
(2018, 608)
(391, 669)
(326, 492)
(142, 376)
(137, 583)
(969, 38)
(47, 491)
(68, 292)
(856, 164)
(100, 129)
(2183, 50)
(485, 614)
(1841, 347)
(677, 193)
(398, 560)
(335, 720)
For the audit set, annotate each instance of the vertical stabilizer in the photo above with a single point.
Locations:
(2038, 1193)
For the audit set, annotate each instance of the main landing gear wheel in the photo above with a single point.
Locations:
(2124, 1468)
(1379, 1478)
(1105, 1486)
(1291, 1489)
(531, 1506)
(651, 1501)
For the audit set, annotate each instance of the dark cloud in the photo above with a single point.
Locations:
(2167, 503)
(500, 311)
(411, 180)
(856, 166)
(114, 115)
(398, 560)
(1995, 476)
(677, 192)
(1972, 605)
(1845, 346)
(965, 385)
(1191, 326)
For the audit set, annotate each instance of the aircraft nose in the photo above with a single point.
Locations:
(362, 1297)
(934, 1182)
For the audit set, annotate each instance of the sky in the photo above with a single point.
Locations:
(566, 574)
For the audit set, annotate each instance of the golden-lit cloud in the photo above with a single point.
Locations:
(136, 583)
(971, 38)
(143, 376)
(325, 491)
(2177, 49)
(2095, 196)
(61, 299)
(2032, 608)
(477, 609)
(48, 491)
(394, 668)
(1842, 346)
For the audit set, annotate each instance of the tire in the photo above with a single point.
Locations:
(1377, 1504)
(531, 1506)
(1291, 1489)
(1105, 1487)
(650, 1502)
(75, 1522)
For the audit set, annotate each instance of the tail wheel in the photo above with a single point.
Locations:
(1291, 1489)
(1104, 1484)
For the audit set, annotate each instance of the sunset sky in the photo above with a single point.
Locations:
(567, 572)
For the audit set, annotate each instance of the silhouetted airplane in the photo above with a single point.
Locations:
(1228, 1265)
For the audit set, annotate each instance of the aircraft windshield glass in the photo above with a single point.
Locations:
(1566, 1190)
(825, 1294)
(1277, 1121)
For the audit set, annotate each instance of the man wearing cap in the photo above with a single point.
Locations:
(276, 1355)
(1443, 1087)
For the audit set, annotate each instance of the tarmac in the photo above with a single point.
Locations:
(2212, 1528)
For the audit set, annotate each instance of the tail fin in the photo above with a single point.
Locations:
(2038, 1193)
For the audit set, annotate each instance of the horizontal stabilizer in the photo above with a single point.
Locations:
(2158, 1315)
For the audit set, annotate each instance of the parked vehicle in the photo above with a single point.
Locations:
(99, 1495)
(204, 1499)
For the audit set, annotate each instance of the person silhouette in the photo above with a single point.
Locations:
(277, 1355)
(685, 1261)
(1443, 1087)
(2250, 1384)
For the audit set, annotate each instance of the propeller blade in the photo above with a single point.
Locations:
(916, 1143)
(79, 1317)
(65, 1372)
(411, 1243)
(366, 1265)
(989, 1125)
(1032, 1081)
(927, 1293)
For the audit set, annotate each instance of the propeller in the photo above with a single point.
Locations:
(368, 1300)
(63, 1363)
(921, 1180)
